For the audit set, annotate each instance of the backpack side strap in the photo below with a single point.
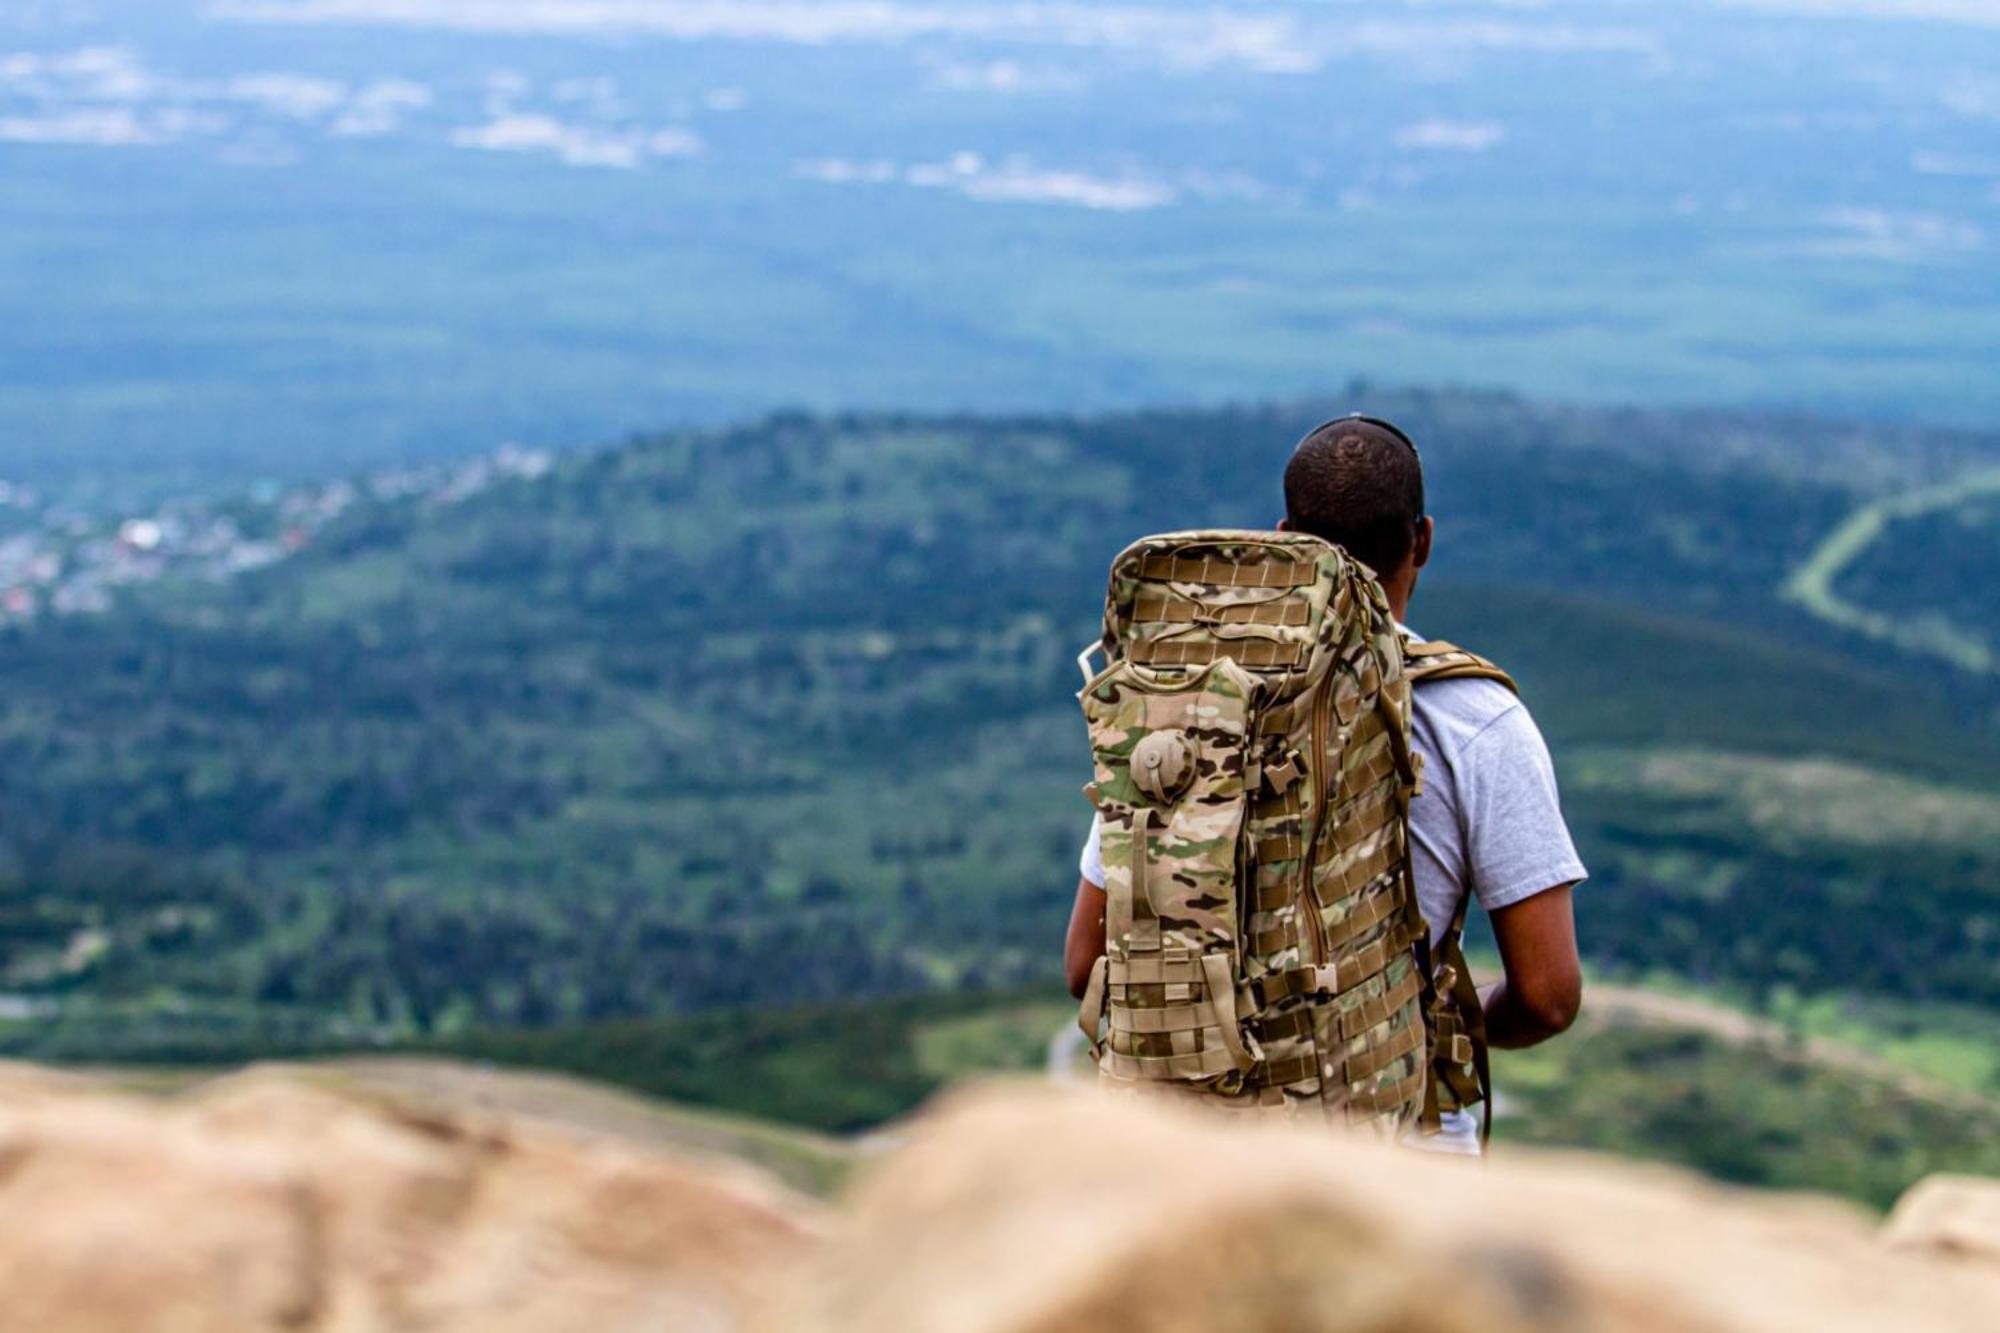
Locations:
(1438, 660)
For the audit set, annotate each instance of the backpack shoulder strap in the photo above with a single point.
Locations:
(1460, 1067)
(1437, 660)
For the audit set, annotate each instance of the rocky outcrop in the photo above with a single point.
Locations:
(1957, 1215)
(1050, 1213)
(299, 1200)
(284, 1201)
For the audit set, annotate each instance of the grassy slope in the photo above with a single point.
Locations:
(1600, 673)
(1815, 585)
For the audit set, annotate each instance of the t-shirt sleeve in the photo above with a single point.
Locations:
(1517, 844)
(1091, 863)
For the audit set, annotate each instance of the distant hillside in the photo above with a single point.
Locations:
(782, 714)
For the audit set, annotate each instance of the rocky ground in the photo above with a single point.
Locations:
(432, 1197)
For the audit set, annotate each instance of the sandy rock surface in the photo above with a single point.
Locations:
(291, 1199)
(282, 1200)
(1050, 1212)
(1958, 1215)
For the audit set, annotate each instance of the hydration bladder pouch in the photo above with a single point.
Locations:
(1171, 748)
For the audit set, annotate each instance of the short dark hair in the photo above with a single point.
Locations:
(1358, 484)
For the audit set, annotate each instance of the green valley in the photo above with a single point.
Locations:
(765, 720)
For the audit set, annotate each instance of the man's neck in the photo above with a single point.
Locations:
(1398, 590)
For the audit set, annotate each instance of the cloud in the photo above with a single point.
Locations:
(1981, 13)
(576, 145)
(846, 171)
(1273, 40)
(1878, 233)
(76, 98)
(299, 96)
(1971, 95)
(379, 109)
(1002, 76)
(599, 94)
(1024, 185)
(1454, 136)
(110, 126)
(1015, 181)
(675, 143)
(1427, 38)
(105, 74)
(1928, 163)
(104, 127)
(107, 96)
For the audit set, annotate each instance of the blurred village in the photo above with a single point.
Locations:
(60, 559)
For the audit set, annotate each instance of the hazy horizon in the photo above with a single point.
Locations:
(297, 237)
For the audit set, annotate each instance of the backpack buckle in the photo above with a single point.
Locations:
(1281, 775)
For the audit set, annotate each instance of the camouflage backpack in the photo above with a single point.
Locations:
(1253, 780)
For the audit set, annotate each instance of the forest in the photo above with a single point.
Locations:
(780, 715)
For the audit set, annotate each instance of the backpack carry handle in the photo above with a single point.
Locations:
(1092, 649)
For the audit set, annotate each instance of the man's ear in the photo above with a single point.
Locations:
(1284, 525)
(1420, 552)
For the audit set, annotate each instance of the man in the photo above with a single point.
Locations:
(1489, 823)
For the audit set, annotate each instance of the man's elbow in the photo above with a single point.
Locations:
(1553, 1009)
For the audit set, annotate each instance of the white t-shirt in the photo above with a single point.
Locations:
(1489, 822)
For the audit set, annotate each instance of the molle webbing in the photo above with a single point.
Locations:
(1155, 608)
(1354, 967)
(1185, 1023)
(1357, 923)
(1262, 654)
(1375, 1012)
(1188, 1065)
(1362, 859)
(1286, 847)
(1367, 1063)
(1223, 573)
(1347, 973)
(1384, 1101)
(1168, 1018)
(1154, 971)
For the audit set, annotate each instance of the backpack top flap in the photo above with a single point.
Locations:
(1282, 604)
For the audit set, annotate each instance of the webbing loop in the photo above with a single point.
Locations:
(1222, 994)
(1091, 1016)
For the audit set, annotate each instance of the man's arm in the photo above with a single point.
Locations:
(1543, 985)
(1084, 944)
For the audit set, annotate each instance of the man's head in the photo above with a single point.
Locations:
(1359, 484)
